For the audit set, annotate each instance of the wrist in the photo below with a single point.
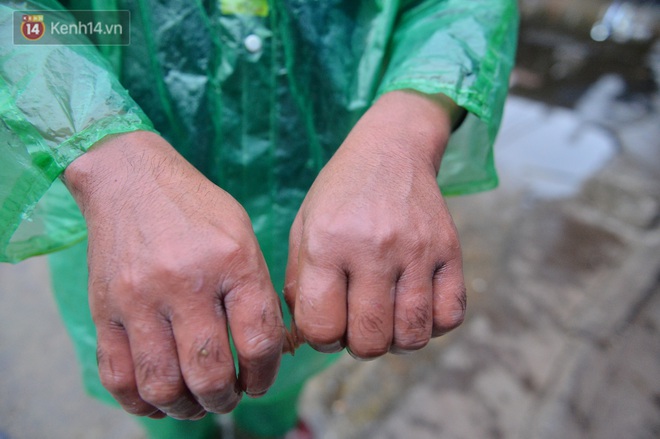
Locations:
(422, 123)
(111, 165)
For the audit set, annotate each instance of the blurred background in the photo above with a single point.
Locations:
(562, 264)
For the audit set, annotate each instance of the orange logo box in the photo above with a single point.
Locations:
(33, 27)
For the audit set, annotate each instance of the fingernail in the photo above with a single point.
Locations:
(327, 348)
(255, 394)
(157, 415)
(357, 357)
(199, 416)
(400, 351)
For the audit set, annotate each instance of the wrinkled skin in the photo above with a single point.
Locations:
(374, 262)
(173, 260)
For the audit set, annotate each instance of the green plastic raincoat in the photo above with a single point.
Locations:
(257, 94)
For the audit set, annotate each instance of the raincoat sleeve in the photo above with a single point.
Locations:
(464, 49)
(55, 102)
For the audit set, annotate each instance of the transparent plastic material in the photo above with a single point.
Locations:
(258, 121)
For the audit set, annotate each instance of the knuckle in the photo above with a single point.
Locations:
(450, 237)
(320, 332)
(215, 395)
(209, 352)
(210, 369)
(126, 280)
(383, 238)
(451, 318)
(158, 383)
(231, 249)
(326, 227)
(318, 245)
(221, 405)
(177, 270)
(161, 394)
(412, 331)
(456, 318)
(411, 341)
(145, 368)
(418, 317)
(375, 234)
(369, 326)
(207, 386)
(119, 384)
(137, 407)
(165, 266)
(367, 338)
(183, 407)
(239, 254)
(447, 324)
(132, 285)
(261, 347)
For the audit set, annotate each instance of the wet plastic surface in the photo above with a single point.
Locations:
(278, 112)
(257, 102)
(564, 312)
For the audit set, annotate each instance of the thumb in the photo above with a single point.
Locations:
(293, 339)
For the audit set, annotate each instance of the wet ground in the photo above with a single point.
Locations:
(562, 266)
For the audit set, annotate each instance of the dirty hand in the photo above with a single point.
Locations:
(172, 261)
(375, 263)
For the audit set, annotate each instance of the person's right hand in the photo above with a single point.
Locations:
(173, 261)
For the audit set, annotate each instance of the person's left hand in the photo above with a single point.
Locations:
(374, 258)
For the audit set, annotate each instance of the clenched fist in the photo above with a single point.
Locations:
(375, 262)
(173, 263)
